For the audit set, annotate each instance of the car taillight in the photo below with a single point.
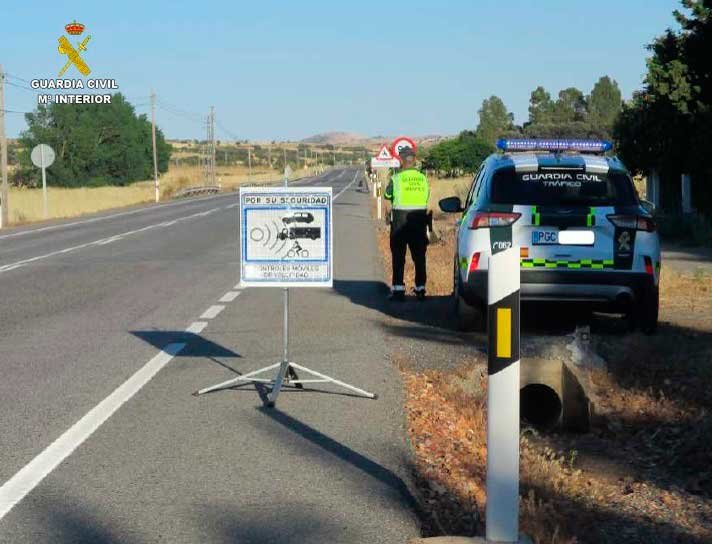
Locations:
(475, 261)
(483, 220)
(637, 222)
(648, 265)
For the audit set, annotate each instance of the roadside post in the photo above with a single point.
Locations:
(286, 240)
(379, 200)
(502, 511)
(384, 159)
(42, 157)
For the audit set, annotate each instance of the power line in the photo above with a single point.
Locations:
(170, 108)
(181, 115)
(7, 74)
(23, 87)
(14, 111)
(226, 131)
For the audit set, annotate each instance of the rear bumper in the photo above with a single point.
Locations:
(612, 289)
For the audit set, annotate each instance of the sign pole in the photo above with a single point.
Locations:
(44, 181)
(284, 366)
(42, 157)
(502, 512)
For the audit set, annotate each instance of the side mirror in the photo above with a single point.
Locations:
(451, 204)
(648, 206)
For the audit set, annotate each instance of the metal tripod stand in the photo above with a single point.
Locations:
(287, 372)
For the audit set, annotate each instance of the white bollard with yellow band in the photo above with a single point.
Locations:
(502, 519)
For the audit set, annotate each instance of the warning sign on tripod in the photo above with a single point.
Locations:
(286, 238)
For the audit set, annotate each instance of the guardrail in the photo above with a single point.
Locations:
(202, 190)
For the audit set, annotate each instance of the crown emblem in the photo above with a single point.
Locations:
(74, 28)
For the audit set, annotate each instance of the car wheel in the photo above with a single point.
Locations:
(468, 318)
(647, 310)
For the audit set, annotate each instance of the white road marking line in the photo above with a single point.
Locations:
(108, 240)
(197, 327)
(102, 241)
(212, 312)
(230, 296)
(17, 487)
(238, 287)
(349, 185)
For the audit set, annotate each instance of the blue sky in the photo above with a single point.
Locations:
(287, 70)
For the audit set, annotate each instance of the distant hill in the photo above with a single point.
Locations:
(338, 138)
(352, 138)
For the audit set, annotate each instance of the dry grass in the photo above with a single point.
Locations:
(447, 424)
(641, 474)
(26, 205)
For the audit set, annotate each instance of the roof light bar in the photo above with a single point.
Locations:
(523, 144)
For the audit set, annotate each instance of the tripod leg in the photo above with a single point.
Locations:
(292, 375)
(277, 387)
(235, 381)
(335, 381)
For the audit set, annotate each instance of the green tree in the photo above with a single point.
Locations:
(604, 103)
(95, 144)
(541, 107)
(570, 107)
(668, 125)
(495, 120)
(459, 155)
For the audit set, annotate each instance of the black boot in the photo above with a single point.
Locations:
(397, 296)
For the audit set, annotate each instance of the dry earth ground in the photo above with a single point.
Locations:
(642, 474)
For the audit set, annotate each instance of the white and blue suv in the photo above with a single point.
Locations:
(584, 234)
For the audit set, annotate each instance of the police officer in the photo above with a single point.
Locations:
(408, 192)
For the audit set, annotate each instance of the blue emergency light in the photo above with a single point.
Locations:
(535, 144)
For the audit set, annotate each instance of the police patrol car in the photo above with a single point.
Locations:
(584, 235)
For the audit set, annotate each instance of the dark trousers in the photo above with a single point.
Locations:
(415, 238)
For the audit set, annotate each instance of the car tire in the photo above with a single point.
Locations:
(468, 318)
(647, 310)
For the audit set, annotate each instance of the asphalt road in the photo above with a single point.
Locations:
(147, 298)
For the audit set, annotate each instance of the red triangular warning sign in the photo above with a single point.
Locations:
(384, 154)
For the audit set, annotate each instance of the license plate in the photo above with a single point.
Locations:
(545, 237)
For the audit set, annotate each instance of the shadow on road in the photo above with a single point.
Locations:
(436, 319)
(287, 522)
(70, 521)
(340, 451)
(196, 346)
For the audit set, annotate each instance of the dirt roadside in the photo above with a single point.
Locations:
(642, 474)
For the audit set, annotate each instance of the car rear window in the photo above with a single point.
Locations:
(562, 186)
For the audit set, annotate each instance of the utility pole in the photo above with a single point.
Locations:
(5, 207)
(284, 154)
(212, 145)
(269, 155)
(204, 153)
(249, 163)
(153, 138)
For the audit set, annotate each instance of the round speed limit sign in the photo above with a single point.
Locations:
(400, 143)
